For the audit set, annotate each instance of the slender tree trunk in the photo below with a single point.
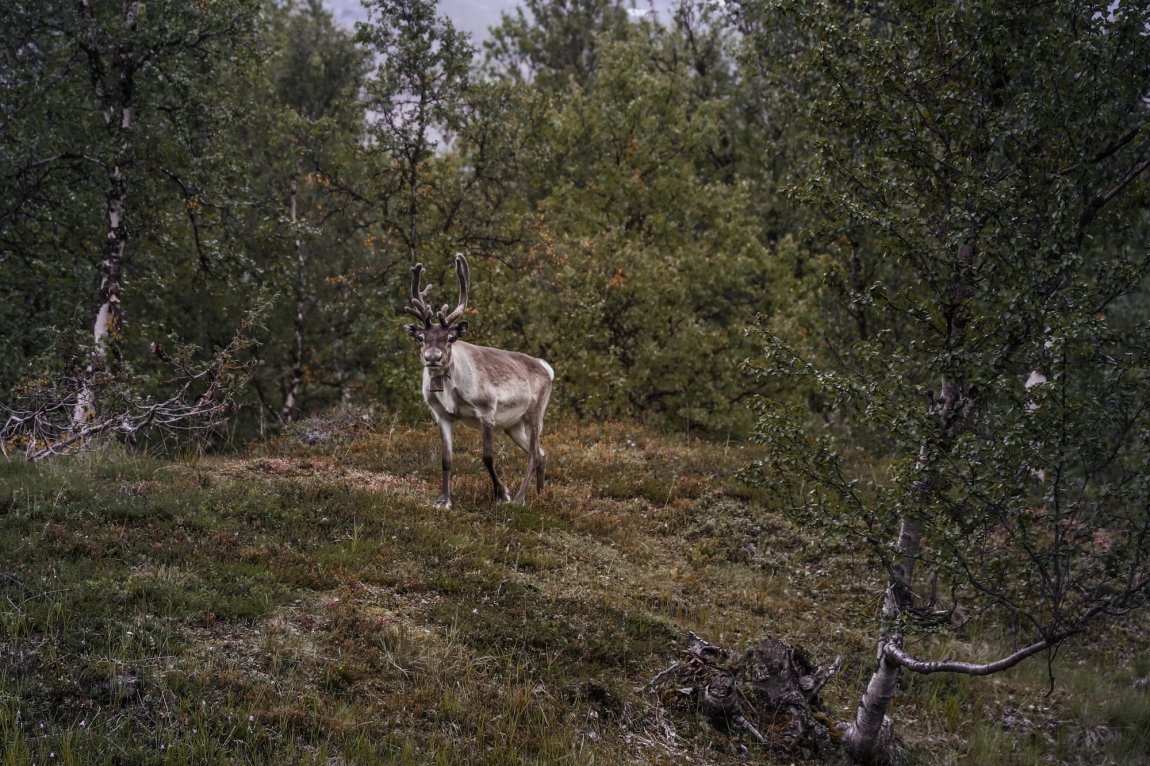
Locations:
(416, 151)
(413, 211)
(294, 393)
(870, 738)
(108, 328)
(119, 116)
(339, 347)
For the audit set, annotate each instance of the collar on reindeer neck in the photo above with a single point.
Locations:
(436, 382)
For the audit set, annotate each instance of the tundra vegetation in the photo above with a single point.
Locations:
(847, 307)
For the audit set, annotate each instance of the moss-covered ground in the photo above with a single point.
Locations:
(300, 604)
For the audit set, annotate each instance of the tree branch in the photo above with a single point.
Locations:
(1107, 152)
(42, 426)
(1095, 205)
(895, 652)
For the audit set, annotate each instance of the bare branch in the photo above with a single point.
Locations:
(40, 424)
(1108, 151)
(896, 653)
(1118, 603)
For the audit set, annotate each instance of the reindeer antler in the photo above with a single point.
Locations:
(464, 275)
(419, 308)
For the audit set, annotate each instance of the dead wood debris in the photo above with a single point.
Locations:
(769, 694)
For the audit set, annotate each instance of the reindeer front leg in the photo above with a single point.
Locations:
(501, 492)
(446, 439)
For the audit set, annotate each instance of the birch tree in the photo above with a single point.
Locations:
(317, 74)
(100, 98)
(417, 93)
(552, 42)
(993, 157)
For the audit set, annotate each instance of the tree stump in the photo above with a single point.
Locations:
(770, 693)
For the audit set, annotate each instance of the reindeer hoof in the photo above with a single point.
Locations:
(443, 502)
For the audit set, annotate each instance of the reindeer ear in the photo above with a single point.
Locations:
(460, 329)
(413, 330)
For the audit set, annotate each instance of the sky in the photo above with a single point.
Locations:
(473, 16)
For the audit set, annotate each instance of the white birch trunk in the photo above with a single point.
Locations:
(294, 391)
(119, 116)
(339, 347)
(870, 738)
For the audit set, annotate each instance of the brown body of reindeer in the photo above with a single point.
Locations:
(488, 389)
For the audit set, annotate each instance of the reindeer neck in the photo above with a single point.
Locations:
(461, 357)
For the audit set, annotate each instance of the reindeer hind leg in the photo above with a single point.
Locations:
(537, 436)
(540, 463)
(524, 437)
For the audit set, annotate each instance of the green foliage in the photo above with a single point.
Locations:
(126, 101)
(559, 44)
(420, 86)
(319, 71)
(616, 201)
(981, 210)
(319, 350)
(635, 225)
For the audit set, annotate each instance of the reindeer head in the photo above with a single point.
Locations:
(435, 340)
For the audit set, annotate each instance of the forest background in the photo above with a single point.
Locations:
(602, 171)
(635, 189)
(903, 252)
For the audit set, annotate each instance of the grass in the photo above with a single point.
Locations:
(309, 605)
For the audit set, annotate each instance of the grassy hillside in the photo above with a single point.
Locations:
(309, 605)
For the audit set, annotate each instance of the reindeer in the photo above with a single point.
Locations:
(483, 388)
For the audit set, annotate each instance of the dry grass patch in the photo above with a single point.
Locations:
(308, 604)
